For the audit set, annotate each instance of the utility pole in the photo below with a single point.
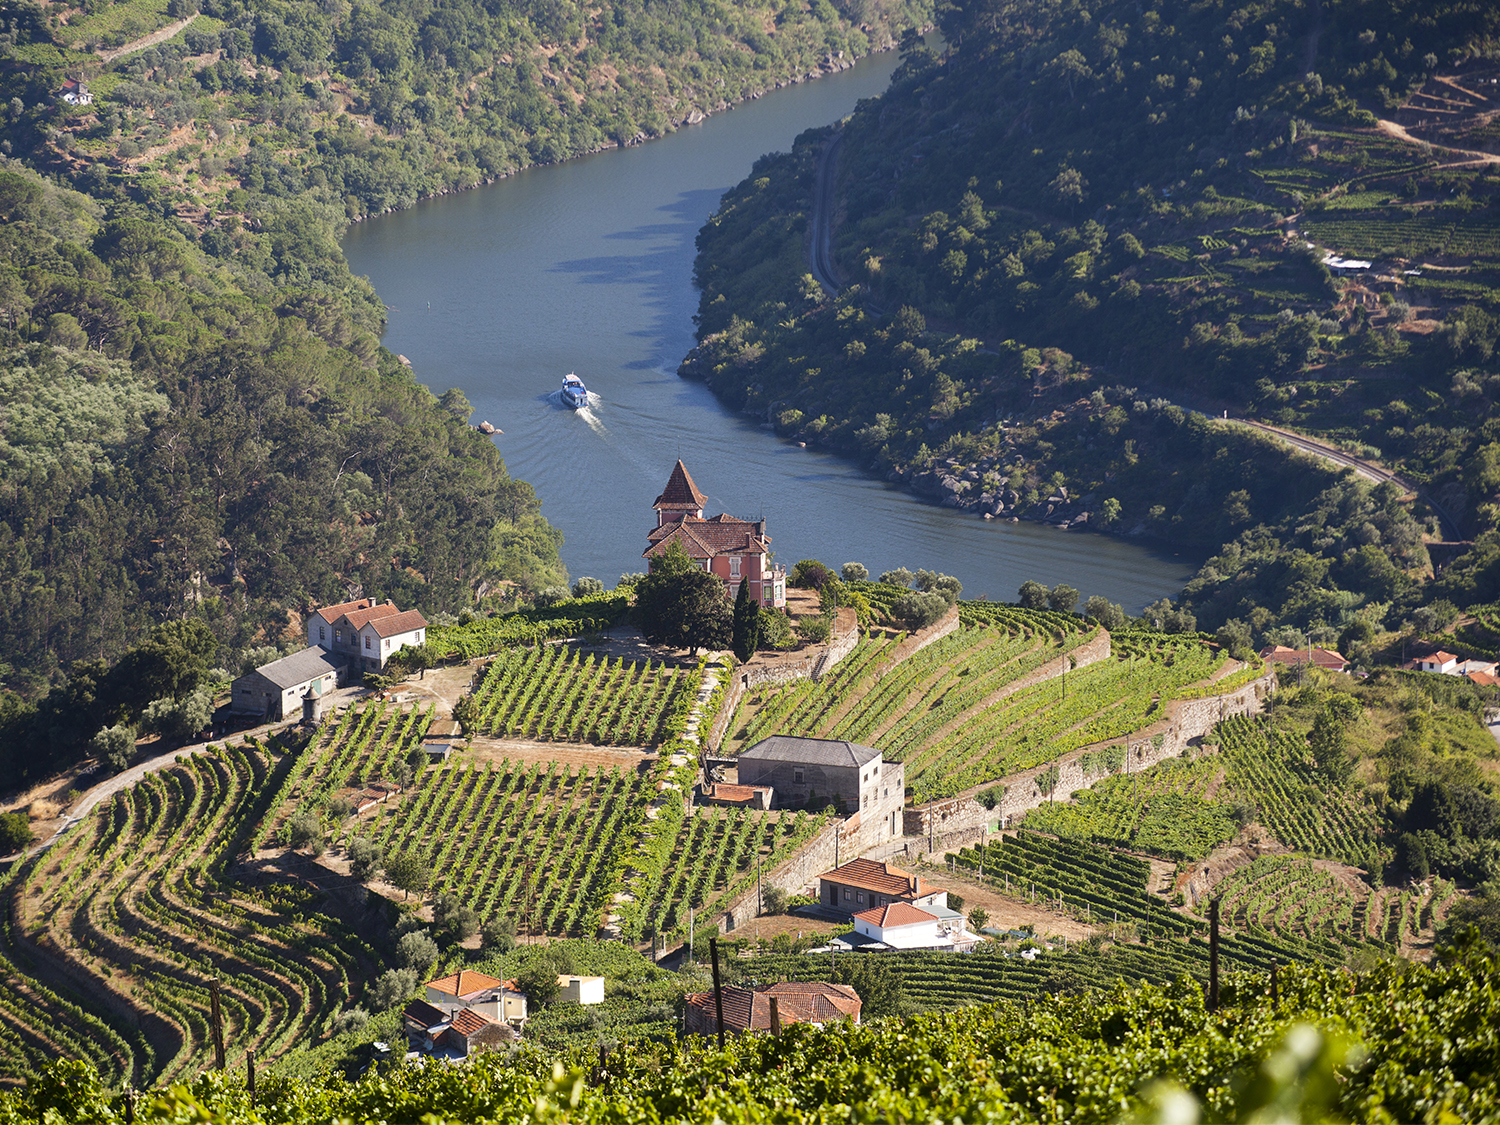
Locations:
(713, 952)
(1213, 954)
(216, 1022)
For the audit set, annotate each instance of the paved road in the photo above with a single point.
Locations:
(820, 253)
(1366, 469)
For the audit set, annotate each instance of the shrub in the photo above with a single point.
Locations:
(364, 857)
(773, 900)
(855, 572)
(454, 920)
(814, 631)
(114, 746)
(898, 577)
(305, 831)
(351, 1020)
(586, 586)
(15, 832)
(499, 935)
(551, 595)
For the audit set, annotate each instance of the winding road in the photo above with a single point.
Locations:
(820, 225)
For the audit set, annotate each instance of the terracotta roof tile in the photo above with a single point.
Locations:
(879, 877)
(895, 914)
(331, 613)
(466, 982)
(703, 539)
(399, 623)
(358, 617)
(680, 492)
(796, 1002)
(468, 1021)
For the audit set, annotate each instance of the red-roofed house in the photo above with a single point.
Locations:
(750, 1010)
(736, 550)
(366, 632)
(1440, 661)
(900, 925)
(863, 883)
(1321, 657)
(498, 1000)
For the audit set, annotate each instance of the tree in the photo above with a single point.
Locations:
(394, 986)
(416, 951)
(917, 611)
(407, 872)
(1109, 511)
(364, 857)
(979, 918)
(305, 830)
(773, 900)
(809, 574)
(455, 922)
(1033, 595)
(877, 985)
(1106, 613)
(1235, 638)
(180, 718)
(466, 714)
(538, 981)
(415, 658)
(681, 605)
(587, 586)
(746, 624)
(498, 935)
(114, 747)
(898, 577)
(1063, 598)
(855, 572)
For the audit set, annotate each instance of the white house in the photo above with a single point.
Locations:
(581, 990)
(900, 925)
(74, 92)
(1440, 661)
(365, 632)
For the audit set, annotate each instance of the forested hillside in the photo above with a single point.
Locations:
(1074, 240)
(197, 419)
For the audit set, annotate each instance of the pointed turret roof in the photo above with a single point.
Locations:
(681, 494)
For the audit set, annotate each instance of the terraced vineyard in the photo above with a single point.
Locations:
(961, 712)
(1163, 810)
(132, 908)
(1106, 889)
(1305, 811)
(1295, 895)
(557, 694)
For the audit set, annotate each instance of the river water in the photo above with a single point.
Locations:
(587, 267)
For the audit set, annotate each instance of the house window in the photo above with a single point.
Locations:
(846, 894)
(367, 642)
(867, 801)
(321, 632)
(338, 635)
(860, 898)
(797, 775)
(388, 643)
(734, 567)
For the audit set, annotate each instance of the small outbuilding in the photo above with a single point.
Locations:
(275, 691)
(580, 990)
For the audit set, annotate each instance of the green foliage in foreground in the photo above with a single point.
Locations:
(1397, 1043)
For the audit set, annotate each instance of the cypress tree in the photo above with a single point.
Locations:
(746, 624)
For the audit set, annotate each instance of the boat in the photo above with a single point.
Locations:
(574, 393)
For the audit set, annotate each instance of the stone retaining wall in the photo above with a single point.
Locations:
(1185, 720)
(837, 843)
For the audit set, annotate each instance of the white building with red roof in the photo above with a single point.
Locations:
(365, 632)
(734, 549)
(900, 925)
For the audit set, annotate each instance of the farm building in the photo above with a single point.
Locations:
(75, 92)
(1291, 657)
(862, 884)
(453, 1032)
(580, 990)
(274, 691)
(748, 1009)
(365, 633)
(736, 550)
(853, 777)
(900, 925)
(498, 1000)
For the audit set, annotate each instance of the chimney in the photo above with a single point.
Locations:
(760, 528)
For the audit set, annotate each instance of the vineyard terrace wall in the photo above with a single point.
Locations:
(1186, 720)
(845, 638)
(838, 843)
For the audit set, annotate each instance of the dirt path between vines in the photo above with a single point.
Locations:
(151, 40)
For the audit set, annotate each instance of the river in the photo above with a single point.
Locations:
(587, 267)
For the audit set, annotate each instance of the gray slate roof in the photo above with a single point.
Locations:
(810, 751)
(300, 667)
